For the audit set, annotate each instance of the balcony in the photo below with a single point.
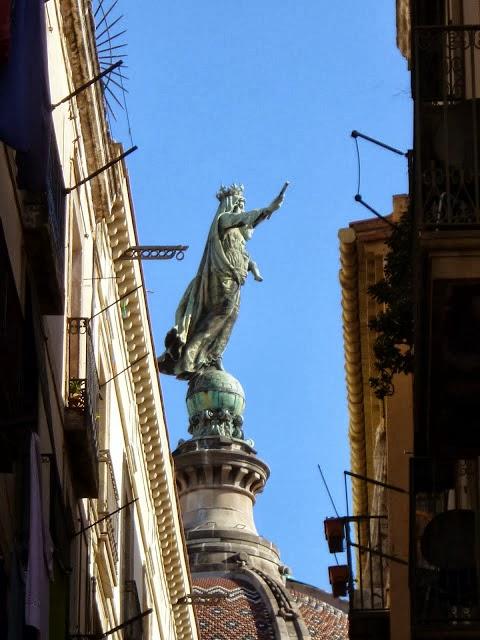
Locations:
(368, 568)
(452, 384)
(43, 216)
(446, 89)
(108, 503)
(370, 563)
(81, 410)
(445, 548)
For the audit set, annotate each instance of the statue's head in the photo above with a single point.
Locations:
(235, 192)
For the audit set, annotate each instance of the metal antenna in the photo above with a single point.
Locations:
(109, 49)
(328, 491)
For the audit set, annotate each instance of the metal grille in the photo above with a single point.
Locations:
(83, 389)
(371, 575)
(368, 546)
(445, 543)
(109, 500)
(447, 154)
(56, 204)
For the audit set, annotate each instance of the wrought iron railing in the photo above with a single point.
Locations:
(445, 544)
(56, 199)
(83, 384)
(446, 72)
(370, 579)
(368, 547)
(109, 501)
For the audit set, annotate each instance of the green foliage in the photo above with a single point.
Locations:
(75, 387)
(393, 346)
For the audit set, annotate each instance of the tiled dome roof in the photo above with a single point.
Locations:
(324, 618)
(233, 608)
(239, 613)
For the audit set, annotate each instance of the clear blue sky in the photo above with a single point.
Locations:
(261, 92)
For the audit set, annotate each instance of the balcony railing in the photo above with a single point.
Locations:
(55, 196)
(83, 389)
(367, 539)
(445, 545)
(446, 73)
(44, 223)
(82, 399)
(368, 547)
(109, 503)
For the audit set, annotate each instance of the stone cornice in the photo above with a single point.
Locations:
(353, 360)
(404, 28)
(78, 31)
(229, 469)
(150, 414)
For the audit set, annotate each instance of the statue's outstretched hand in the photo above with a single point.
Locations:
(277, 203)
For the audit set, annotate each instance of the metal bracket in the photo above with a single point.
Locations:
(98, 171)
(88, 84)
(200, 598)
(126, 369)
(358, 198)
(109, 515)
(112, 304)
(105, 634)
(384, 485)
(357, 134)
(154, 252)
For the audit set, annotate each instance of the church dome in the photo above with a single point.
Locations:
(248, 606)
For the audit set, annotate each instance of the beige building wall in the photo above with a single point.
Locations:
(399, 421)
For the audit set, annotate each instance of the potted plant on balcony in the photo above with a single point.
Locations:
(76, 393)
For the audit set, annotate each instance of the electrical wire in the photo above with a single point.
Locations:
(124, 91)
(328, 491)
(358, 166)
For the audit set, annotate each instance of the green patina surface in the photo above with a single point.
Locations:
(215, 403)
(215, 390)
(215, 400)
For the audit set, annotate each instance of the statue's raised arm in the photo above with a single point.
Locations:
(238, 217)
(209, 307)
(273, 206)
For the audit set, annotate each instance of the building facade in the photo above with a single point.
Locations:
(413, 535)
(91, 543)
(444, 185)
(381, 435)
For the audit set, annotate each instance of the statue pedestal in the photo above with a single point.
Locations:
(218, 479)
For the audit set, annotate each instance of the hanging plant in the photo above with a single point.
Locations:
(393, 346)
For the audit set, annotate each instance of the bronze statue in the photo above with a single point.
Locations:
(209, 307)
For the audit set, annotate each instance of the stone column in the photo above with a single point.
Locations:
(218, 477)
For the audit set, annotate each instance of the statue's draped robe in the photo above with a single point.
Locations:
(209, 307)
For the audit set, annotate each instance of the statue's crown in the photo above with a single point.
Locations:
(232, 190)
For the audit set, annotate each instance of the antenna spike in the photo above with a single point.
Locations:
(108, 27)
(120, 33)
(120, 86)
(105, 15)
(115, 98)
